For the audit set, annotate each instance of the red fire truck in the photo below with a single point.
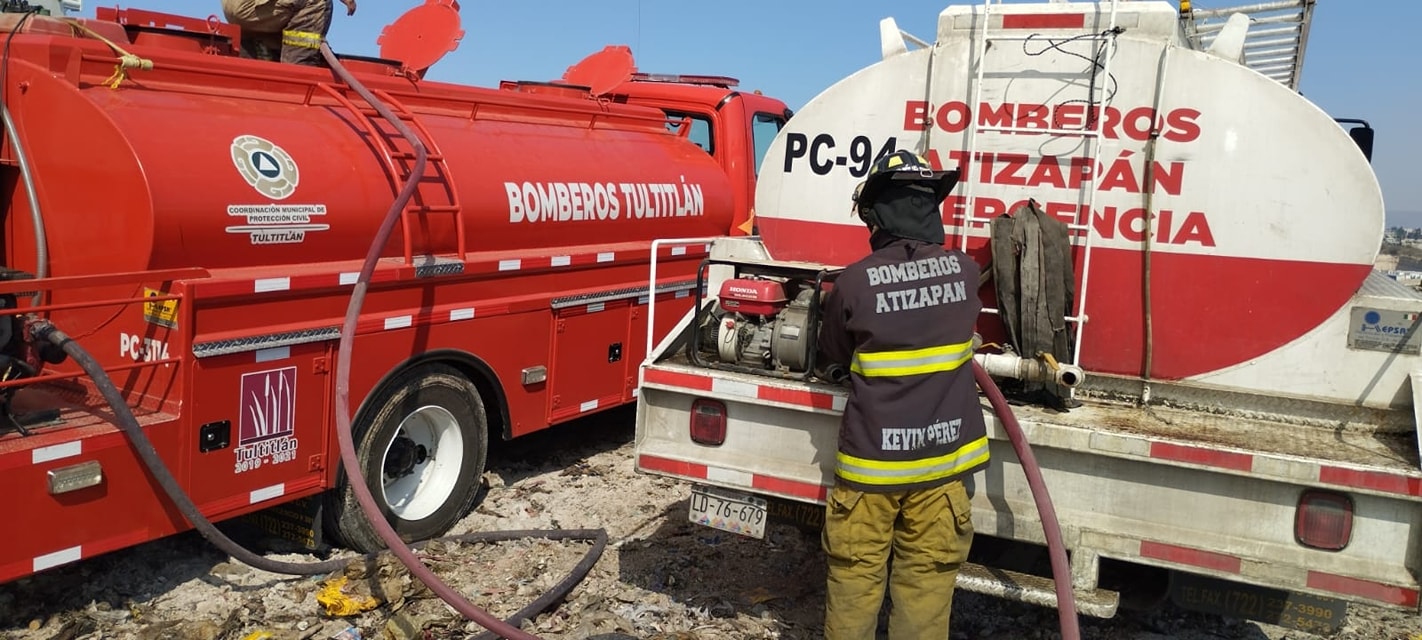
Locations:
(196, 220)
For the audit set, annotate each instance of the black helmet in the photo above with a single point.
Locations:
(899, 167)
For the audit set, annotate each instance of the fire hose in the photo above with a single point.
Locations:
(1061, 573)
(343, 375)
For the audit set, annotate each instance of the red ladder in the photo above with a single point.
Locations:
(436, 193)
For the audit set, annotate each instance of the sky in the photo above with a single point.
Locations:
(1361, 61)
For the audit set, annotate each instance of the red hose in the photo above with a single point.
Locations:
(343, 378)
(1066, 602)
(1061, 573)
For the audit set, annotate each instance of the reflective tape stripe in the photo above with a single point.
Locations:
(912, 362)
(304, 39)
(890, 472)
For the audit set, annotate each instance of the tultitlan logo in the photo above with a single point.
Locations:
(273, 173)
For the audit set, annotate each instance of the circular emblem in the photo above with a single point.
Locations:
(268, 168)
(1372, 317)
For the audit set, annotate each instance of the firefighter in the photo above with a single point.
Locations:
(287, 30)
(901, 321)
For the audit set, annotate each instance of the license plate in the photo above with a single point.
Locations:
(726, 510)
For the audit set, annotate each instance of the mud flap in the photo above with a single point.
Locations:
(297, 522)
(1299, 611)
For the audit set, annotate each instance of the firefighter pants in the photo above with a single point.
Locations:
(929, 532)
(288, 30)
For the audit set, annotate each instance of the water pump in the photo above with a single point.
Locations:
(763, 321)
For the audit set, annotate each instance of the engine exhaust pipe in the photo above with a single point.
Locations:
(1011, 365)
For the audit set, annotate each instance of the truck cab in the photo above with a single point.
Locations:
(736, 127)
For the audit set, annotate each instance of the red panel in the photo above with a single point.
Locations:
(278, 414)
(1044, 21)
(796, 396)
(1251, 306)
(674, 467)
(1364, 589)
(126, 508)
(678, 379)
(581, 374)
(24, 566)
(1192, 557)
(789, 487)
(1376, 481)
(1201, 455)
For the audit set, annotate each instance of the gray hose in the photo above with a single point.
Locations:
(41, 240)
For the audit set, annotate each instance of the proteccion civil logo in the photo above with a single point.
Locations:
(268, 168)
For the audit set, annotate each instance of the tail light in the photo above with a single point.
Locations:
(1324, 520)
(708, 422)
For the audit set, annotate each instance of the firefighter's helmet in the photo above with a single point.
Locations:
(903, 166)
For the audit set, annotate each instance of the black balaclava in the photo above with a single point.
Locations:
(908, 211)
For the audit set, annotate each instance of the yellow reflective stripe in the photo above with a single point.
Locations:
(305, 39)
(912, 362)
(893, 472)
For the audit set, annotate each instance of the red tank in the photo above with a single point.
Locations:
(208, 161)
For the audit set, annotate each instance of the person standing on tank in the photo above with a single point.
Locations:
(287, 30)
(900, 321)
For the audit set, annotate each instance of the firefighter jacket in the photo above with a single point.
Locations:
(901, 320)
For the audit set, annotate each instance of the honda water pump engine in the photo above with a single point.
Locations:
(756, 324)
(761, 327)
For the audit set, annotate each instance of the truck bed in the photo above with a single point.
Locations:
(1347, 444)
(1220, 439)
(1213, 491)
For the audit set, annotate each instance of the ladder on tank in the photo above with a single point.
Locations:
(435, 194)
(1274, 49)
(1105, 44)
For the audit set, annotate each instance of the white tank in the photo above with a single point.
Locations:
(1268, 215)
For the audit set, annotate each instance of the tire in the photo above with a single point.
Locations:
(422, 445)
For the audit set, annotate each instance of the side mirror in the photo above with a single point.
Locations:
(1362, 135)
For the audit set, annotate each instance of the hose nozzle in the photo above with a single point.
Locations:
(1047, 369)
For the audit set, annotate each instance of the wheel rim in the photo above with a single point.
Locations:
(420, 467)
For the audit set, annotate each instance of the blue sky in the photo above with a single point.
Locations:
(1361, 60)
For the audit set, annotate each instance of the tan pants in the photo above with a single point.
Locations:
(288, 30)
(929, 533)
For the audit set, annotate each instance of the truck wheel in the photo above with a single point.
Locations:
(422, 451)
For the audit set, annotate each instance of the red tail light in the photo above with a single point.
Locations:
(1324, 520)
(708, 422)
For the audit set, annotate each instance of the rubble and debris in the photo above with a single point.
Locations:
(660, 578)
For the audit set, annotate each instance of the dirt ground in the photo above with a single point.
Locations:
(659, 578)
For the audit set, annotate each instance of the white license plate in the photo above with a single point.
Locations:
(726, 510)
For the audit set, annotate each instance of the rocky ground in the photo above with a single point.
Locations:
(659, 577)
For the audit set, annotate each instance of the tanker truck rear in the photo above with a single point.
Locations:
(196, 221)
(1231, 421)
